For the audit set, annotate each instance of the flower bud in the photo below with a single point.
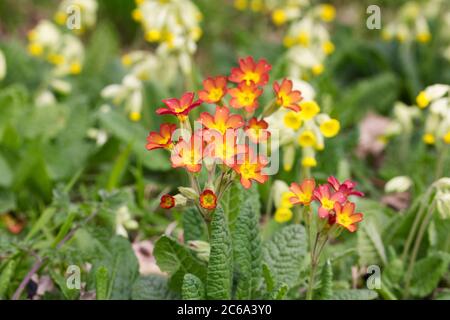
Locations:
(398, 184)
(443, 204)
(201, 248)
(180, 200)
(188, 193)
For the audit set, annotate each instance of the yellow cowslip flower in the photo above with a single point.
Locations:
(241, 4)
(303, 38)
(139, 2)
(285, 202)
(256, 5)
(308, 109)
(279, 17)
(317, 69)
(283, 215)
(330, 128)
(422, 100)
(423, 37)
(56, 59)
(126, 60)
(429, 138)
(153, 35)
(135, 116)
(75, 68)
(196, 33)
(327, 12)
(288, 41)
(446, 137)
(35, 49)
(328, 47)
(309, 162)
(60, 17)
(307, 139)
(137, 15)
(293, 120)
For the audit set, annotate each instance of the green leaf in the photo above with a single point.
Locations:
(134, 134)
(220, 267)
(7, 201)
(6, 277)
(370, 245)
(427, 273)
(247, 250)
(193, 225)
(193, 288)
(280, 292)
(177, 260)
(326, 282)
(284, 254)
(6, 175)
(102, 283)
(268, 278)
(118, 256)
(152, 287)
(43, 221)
(355, 294)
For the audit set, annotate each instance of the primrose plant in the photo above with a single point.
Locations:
(225, 154)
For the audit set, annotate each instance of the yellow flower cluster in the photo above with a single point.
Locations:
(436, 98)
(307, 128)
(174, 24)
(280, 196)
(307, 38)
(81, 13)
(410, 22)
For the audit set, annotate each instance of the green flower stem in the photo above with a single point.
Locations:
(417, 244)
(440, 162)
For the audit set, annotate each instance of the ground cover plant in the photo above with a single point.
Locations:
(256, 149)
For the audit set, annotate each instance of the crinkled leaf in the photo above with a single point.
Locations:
(193, 288)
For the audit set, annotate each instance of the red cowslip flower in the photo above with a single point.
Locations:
(214, 89)
(221, 120)
(347, 188)
(250, 72)
(346, 216)
(163, 139)
(245, 96)
(208, 199)
(181, 107)
(286, 97)
(223, 147)
(303, 193)
(249, 168)
(167, 201)
(257, 130)
(327, 199)
(188, 154)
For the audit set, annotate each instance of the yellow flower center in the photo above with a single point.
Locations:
(240, 4)
(285, 202)
(429, 138)
(423, 37)
(343, 220)
(137, 15)
(446, 138)
(307, 139)
(279, 17)
(35, 49)
(330, 128)
(303, 38)
(327, 203)
(248, 170)
(246, 98)
(309, 162)
(215, 94)
(317, 69)
(75, 68)
(327, 12)
(293, 120)
(328, 47)
(422, 100)
(153, 35)
(250, 76)
(309, 109)
(135, 116)
(283, 215)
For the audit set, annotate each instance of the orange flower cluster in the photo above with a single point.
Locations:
(332, 199)
(216, 142)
